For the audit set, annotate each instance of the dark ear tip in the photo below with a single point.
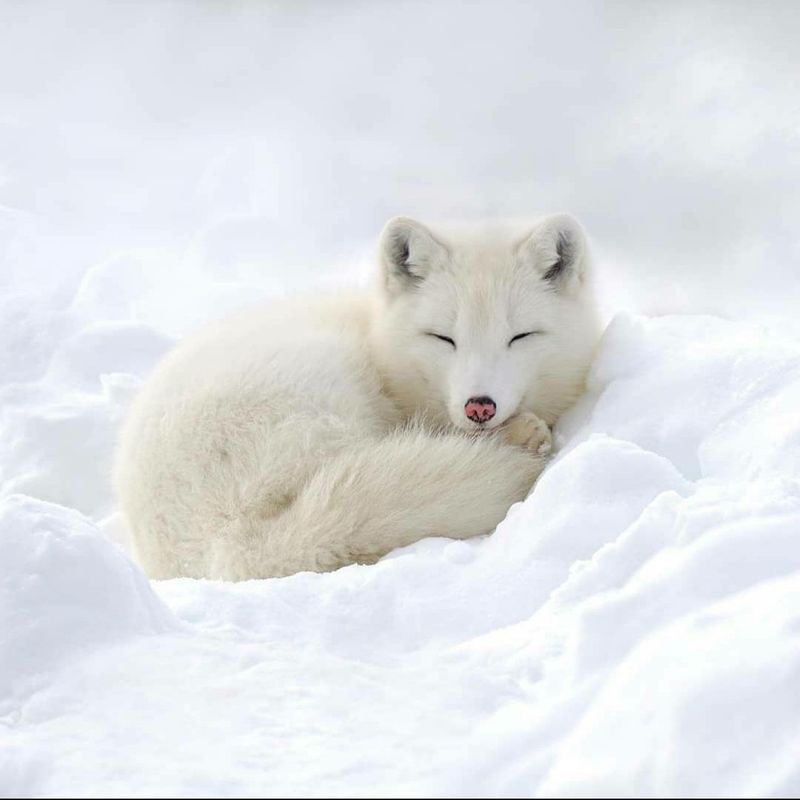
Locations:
(398, 225)
(570, 236)
(396, 246)
(567, 225)
(569, 241)
(395, 239)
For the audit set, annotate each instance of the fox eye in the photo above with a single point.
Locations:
(523, 336)
(443, 338)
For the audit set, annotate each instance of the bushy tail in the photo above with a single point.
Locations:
(376, 496)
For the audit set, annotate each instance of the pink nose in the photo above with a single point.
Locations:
(480, 409)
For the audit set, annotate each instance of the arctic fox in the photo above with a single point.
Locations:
(321, 432)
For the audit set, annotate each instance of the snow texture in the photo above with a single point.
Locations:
(633, 627)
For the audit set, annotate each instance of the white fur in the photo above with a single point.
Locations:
(321, 432)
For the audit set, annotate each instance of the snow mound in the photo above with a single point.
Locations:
(706, 706)
(633, 627)
(64, 589)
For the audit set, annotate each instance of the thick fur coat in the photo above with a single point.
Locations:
(324, 431)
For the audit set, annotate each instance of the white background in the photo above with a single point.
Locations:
(273, 136)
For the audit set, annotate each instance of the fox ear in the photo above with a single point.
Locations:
(556, 249)
(409, 251)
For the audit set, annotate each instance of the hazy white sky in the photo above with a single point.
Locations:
(265, 135)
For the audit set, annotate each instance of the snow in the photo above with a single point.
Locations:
(633, 627)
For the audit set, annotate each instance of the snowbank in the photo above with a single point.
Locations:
(632, 628)
(64, 589)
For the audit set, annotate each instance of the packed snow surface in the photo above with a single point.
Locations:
(633, 628)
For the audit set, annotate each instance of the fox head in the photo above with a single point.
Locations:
(473, 330)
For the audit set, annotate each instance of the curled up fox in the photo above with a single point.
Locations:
(323, 431)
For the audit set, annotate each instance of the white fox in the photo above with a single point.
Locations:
(321, 432)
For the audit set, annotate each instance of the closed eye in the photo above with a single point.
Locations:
(523, 336)
(443, 338)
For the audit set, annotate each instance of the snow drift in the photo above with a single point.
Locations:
(633, 627)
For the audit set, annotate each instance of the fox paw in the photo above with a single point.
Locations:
(529, 431)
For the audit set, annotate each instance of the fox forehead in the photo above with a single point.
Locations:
(485, 298)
